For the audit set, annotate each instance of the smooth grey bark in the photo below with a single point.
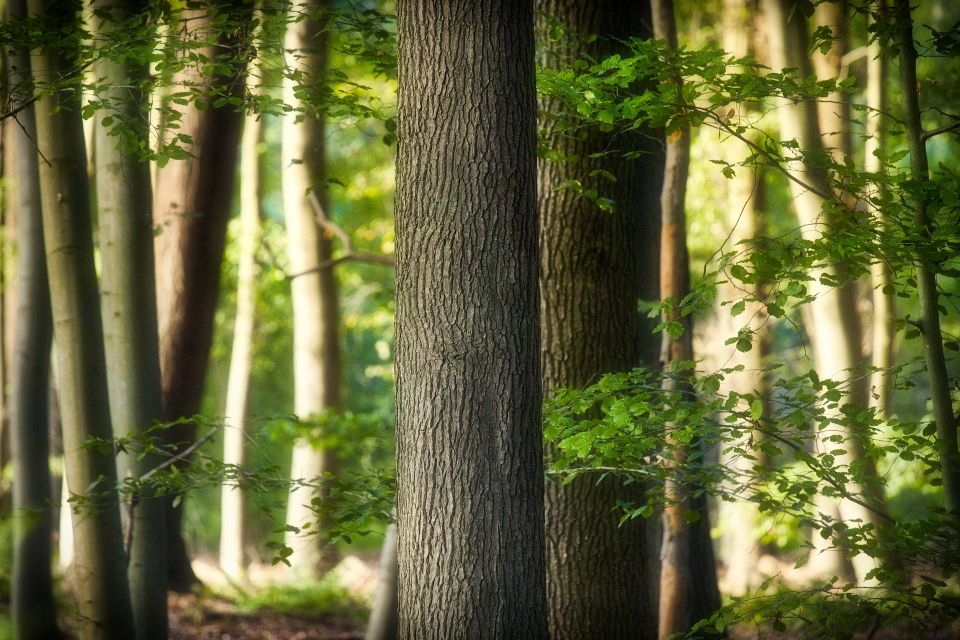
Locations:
(940, 388)
(316, 310)
(32, 604)
(129, 305)
(191, 207)
(469, 453)
(232, 561)
(99, 568)
(595, 265)
(384, 613)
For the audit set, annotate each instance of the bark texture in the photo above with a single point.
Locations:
(601, 577)
(32, 604)
(99, 568)
(191, 207)
(316, 315)
(469, 454)
(129, 303)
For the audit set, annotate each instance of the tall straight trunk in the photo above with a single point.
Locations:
(834, 112)
(745, 221)
(595, 265)
(241, 356)
(191, 207)
(32, 604)
(384, 613)
(316, 315)
(940, 387)
(469, 453)
(835, 325)
(688, 576)
(884, 307)
(129, 305)
(99, 568)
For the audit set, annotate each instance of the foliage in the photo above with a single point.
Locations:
(324, 600)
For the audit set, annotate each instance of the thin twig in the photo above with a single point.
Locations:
(926, 135)
(349, 254)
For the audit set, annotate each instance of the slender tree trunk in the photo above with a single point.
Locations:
(595, 265)
(32, 604)
(129, 310)
(469, 454)
(940, 388)
(833, 316)
(884, 306)
(316, 315)
(384, 614)
(191, 207)
(100, 566)
(688, 576)
(241, 358)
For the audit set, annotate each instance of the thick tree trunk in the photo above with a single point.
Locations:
(99, 568)
(883, 340)
(833, 317)
(688, 576)
(32, 604)
(469, 453)
(191, 207)
(129, 310)
(316, 314)
(383, 615)
(940, 388)
(237, 410)
(595, 265)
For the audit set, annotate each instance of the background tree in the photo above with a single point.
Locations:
(128, 298)
(191, 207)
(469, 458)
(99, 568)
(32, 603)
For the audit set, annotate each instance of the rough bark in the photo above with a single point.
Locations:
(384, 613)
(191, 207)
(688, 576)
(99, 568)
(469, 454)
(316, 318)
(883, 339)
(237, 409)
(933, 355)
(128, 301)
(595, 265)
(832, 315)
(32, 604)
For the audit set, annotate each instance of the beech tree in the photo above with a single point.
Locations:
(469, 457)
(99, 566)
(595, 265)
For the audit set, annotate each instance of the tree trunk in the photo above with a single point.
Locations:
(232, 560)
(32, 604)
(745, 221)
(595, 265)
(832, 315)
(191, 207)
(316, 314)
(129, 310)
(383, 615)
(884, 336)
(469, 454)
(933, 356)
(688, 576)
(100, 566)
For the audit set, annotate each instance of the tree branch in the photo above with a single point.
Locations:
(926, 135)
